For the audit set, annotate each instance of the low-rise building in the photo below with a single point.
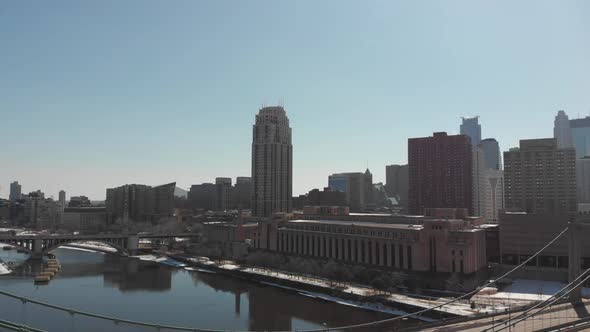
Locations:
(523, 234)
(432, 244)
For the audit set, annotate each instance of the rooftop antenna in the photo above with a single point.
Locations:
(282, 102)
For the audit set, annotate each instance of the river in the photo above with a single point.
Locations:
(150, 292)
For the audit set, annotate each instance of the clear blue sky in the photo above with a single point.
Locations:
(96, 94)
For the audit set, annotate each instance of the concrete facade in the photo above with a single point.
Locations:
(397, 183)
(438, 245)
(87, 220)
(272, 162)
(583, 180)
(523, 234)
(140, 203)
(540, 178)
(491, 194)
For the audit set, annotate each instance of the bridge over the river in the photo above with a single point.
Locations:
(38, 245)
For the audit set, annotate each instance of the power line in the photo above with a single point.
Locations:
(579, 283)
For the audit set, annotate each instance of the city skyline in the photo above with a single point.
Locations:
(104, 115)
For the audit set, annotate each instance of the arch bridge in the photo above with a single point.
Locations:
(39, 245)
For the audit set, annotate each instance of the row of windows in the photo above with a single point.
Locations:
(354, 231)
(349, 250)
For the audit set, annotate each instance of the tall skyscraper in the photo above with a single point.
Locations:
(396, 182)
(15, 191)
(491, 194)
(540, 178)
(478, 166)
(562, 131)
(440, 170)
(581, 136)
(491, 153)
(272, 162)
(471, 128)
(62, 198)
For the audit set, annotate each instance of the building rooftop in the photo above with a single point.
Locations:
(360, 224)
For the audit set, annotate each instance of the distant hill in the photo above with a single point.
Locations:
(179, 192)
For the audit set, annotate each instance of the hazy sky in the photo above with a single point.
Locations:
(95, 94)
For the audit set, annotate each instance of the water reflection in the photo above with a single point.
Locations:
(270, 308)
(146, 291)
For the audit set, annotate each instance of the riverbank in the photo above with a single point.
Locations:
(360, 295)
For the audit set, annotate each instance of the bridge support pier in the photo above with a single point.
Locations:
(575, 260)
(132, 244)
(37, 252)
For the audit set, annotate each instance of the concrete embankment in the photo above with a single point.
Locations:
(332, 292)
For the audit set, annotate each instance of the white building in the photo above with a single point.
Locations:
(492, 194)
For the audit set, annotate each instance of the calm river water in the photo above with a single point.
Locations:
(149, 292)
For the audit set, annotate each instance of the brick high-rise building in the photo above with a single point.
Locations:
(540, 178)
(272, 162)
(440, 172)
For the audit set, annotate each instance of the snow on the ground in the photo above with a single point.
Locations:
(81, 249)
(369, 306)
(533, 290)
(95, 245)
(4, 269)
(160, 259)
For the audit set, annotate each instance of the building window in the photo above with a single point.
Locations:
(461, 265)
(401, 256)
(453, 269)
(349, 249)
(392, 255)
(377, 253)
(409, 257)
(363, 251)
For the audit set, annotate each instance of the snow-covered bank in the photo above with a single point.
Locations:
(160, 259)
(361, 305)
(4, 269)
(194, 269)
